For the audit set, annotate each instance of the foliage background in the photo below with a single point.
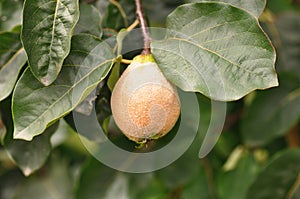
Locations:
(257, 155)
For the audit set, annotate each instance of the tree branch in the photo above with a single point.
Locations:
(144, 27)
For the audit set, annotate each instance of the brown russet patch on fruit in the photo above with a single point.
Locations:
(151, 102)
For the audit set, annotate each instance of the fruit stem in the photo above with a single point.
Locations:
(144, 27)
(126, 61)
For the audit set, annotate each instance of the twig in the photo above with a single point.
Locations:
(144, 27)
(118, 5)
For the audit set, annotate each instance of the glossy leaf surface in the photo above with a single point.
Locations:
(216, 49)
(36, 106)
(46, 35)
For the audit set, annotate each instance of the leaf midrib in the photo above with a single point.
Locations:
(216, 54)
(11, 59)
(59, 99)
(53, 30)
(294, 187)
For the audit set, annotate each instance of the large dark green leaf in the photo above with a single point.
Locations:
(255, 7)
(279, 178)
(12, 58)
(272, 113)
(216, 49)
(35, 106)
(30, 156)
(10, 14)
(46, 35)
(89, 21)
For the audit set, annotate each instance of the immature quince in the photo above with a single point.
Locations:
(145, 105)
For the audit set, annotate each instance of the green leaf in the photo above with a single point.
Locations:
(272, 113)
(55, 182)
(279, 178)
(12, 59)
(295, 192)
(281, 6)
(173, 176)
(198, 186)
(46, 35)
(229, 184)
(30, 156)
(36, 106)
(256, 7)
(97, 181)
(118, 188)
(10, 181)
(146, 186)
(216, 49)
(287, 26)
(158, 10)
(10, 14)
(114, 76)
(119, 14)
(61, 134)
(90, 21)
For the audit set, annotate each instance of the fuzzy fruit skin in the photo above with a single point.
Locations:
(145, 105)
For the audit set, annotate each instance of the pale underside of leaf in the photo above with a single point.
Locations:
(12, 59)
(217, 50)
(9, 72)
